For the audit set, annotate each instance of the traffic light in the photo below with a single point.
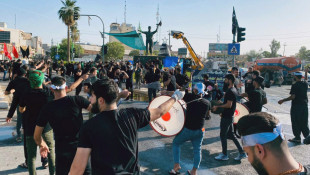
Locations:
(240, 34)
(76, 15)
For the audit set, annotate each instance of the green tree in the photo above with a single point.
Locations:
(274, 47)
(252, 54)
(75, 33)
(66, 15)
(62, 50)
(266, 54)
(115, 51)
(303, 53)
(134, 53)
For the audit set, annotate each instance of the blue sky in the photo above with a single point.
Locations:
(285, 20)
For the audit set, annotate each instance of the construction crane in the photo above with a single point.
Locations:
(197, 63)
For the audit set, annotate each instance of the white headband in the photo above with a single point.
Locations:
(59, 87)
(262, 138)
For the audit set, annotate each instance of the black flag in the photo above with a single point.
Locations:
(234, 22)
(27, 52)
(23, 52)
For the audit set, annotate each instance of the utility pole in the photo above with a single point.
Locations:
(169, 36)
(284, 48)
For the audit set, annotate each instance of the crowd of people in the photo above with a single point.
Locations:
(108, 142)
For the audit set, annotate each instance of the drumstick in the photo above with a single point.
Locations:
(194, 100)
(248, 100)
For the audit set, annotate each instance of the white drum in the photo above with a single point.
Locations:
(171, 123)
(241, 110)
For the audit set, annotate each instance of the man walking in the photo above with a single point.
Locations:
(64, 114)
(193, 129)
(299, 109)
(111, 138)
(227, 118)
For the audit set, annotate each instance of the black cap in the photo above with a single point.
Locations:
(259, 80)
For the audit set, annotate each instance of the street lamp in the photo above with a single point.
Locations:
(102, 34)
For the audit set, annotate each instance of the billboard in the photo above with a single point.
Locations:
(218, 47)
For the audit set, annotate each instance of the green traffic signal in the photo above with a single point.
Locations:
(241, 34)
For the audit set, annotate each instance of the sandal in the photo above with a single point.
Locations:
(172, 171)
(23, 165)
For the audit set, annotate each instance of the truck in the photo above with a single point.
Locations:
(278, 70)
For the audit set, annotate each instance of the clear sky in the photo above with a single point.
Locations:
(201, 20)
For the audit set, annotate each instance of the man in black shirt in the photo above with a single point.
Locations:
(64, 114)
(77, 74)
(63, 69)
(264, 142)
(227, 118)
(129, 80)
(30, 105)
(111, 138)
(299, 109)
(169, 80)
(181, 79)
(209, 87)
(20, 85)
(197, 110)
(257, 97)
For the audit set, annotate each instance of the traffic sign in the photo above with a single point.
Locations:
(57, 57)
(234, 49)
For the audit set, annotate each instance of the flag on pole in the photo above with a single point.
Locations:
(234, 22)
(15, 52)
(6, 53)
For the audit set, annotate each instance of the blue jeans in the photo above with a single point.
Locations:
(4, 74)
(196, 137)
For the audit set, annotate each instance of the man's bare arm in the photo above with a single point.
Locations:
(80, 161)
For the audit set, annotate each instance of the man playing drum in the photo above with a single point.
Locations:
(111, 138)
(257, 97)
(193, 130)
(227, 119)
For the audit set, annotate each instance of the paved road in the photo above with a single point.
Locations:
(155, 152)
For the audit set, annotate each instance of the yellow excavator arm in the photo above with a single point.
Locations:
(180, 35)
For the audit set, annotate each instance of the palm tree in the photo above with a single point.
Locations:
(75, 33)
(66, 15)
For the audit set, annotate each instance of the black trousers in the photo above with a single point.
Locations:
(129, 86)
(65, 152)
(227, 133)
(299, 119)
(151, 93)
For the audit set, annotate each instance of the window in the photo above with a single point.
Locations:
(5, 36)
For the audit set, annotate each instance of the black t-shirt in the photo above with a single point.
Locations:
(113, 139)
(20, 84)
(63, 70)
(65, 116)
(34, 100)
(16, 67)
(196, 111)
(256, 98)
(230, 95)
(299, 89)
(181, 79)
(129, 73)
(172, 85)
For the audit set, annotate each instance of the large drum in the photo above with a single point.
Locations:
(171, 123)
(217, 103)
(241, 110)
